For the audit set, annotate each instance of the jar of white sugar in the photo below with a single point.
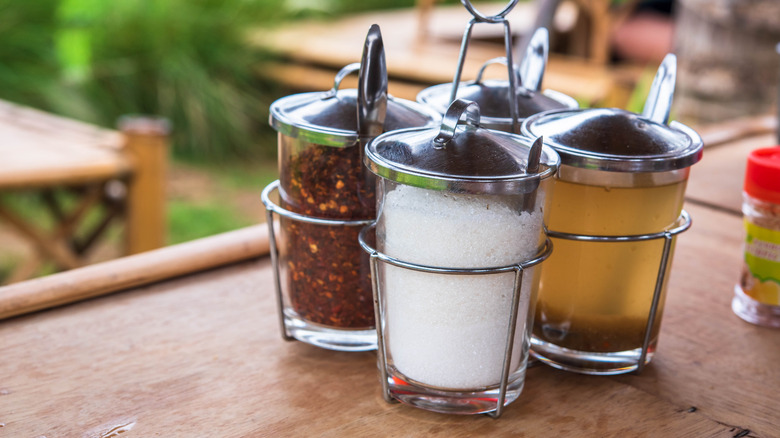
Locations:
(461, 215)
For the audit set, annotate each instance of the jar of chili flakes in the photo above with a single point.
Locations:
(325, 197)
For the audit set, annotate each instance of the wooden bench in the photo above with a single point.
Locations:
(115, 173)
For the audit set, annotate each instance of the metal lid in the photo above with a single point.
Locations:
(330, 118)
(493, 97)
(615, 140)
(459, 157)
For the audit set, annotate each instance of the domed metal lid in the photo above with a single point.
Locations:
(330, 118)
(493, 97)
(621, 141)
(461, 157)
(615, 140)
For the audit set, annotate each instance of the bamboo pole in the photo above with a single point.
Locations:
(133, 271)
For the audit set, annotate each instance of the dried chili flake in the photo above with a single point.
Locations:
(328, 276)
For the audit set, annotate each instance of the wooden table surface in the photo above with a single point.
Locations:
(40, 149)
(314, 50)
(201, 355)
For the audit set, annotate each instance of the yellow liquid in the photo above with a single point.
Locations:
(596, 296)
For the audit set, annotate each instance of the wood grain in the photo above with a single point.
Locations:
(147, 148)
(41, 150)
(133, 271)
(202, 356)
(717, 179)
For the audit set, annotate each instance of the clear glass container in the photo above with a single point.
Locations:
(593, 311)
(459, 228)
(325, 196)
(617, 207)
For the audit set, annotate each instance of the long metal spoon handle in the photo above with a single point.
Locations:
(534, 163)
(659, 100)
(535, 60)
(372, 86)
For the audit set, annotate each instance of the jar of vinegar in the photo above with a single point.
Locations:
(617, 202)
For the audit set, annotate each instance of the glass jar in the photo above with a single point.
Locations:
(757, 296)
(617, 206)
(325, 196)
(460, 225)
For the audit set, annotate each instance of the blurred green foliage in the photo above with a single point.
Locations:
(28, 63)
(186, 60)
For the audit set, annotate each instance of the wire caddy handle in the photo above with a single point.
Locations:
(499, 18)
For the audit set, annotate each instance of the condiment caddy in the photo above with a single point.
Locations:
(429, 241)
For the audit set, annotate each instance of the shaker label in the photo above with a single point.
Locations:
(762, 259)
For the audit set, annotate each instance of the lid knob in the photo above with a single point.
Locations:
(451, 119)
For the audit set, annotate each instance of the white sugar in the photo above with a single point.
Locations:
(447, 330)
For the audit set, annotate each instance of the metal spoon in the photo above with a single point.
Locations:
(534, 62)
(372, 87)
(659, 100)
(534, 159)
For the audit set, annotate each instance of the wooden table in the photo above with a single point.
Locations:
(313, 51)
(109, 173)
(201, 354)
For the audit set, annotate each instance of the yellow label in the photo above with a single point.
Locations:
(761, 281)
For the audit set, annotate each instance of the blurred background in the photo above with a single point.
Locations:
(213, 67)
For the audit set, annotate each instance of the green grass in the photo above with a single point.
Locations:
(212, 214)
(239, 175)
(188, 221)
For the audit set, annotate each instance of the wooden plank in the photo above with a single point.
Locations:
(41, 149)
(35, 120)
(717, 179)
(314, 78)
(732, 130)
(202, 355)
(40, 160)
(133, 271)
(709, 358)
